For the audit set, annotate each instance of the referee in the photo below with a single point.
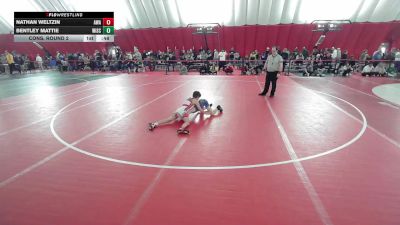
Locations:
(273, 66)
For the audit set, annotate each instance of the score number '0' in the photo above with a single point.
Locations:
(108, 21)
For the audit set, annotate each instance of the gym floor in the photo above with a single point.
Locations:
(75, 149)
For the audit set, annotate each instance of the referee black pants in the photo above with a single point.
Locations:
(271, 77)
(11, 67)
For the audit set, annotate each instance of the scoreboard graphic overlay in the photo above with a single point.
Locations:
(63, 26)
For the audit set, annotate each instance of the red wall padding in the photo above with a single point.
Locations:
(353, 37)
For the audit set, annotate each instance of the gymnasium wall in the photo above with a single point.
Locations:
(353, 37)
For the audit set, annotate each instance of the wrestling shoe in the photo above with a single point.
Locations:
(152, 126)
(220, 108)
(183, 131)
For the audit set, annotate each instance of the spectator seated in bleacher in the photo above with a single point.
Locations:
(52, 63)
(252, 71)
(205, 68)
(323, 60)
(18, 63)
(244, 70)
(236, 57)
(367, 70)
(257, 69)
(379, 70)
(308, 70)
(125, 65)
(28, 63)
(63, 65)
(80, 65)
(345, 70)
(213, 68)
(103, 65)
(3, 63)
(397, 61)
(299, 59)
(228, 69)
(114, 66)
(86, 62)
(151, 64)
(312, 69)
(183, 70)
(137, 60)
(249, 69)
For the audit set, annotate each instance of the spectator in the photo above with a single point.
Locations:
(364, 55)
(183, 54)
(137, 57)
(183, 70)
(299, 59)
(305, 53)
(308, 70)
(228, 69)
(294, 53)
(10, 61)
(363, 59)
(264, 56)
(253, 55)
(378, 55)
(19, 63)
(222, 58)
(367, 70)
(244, 70)
(379, 70)
(397, 60)
(352, 62)
(339, 54)
(334, 53)
(392, 54)
(86, 62)
(30, 65)
(205, 68)
(285, 56)
(209, 55)
(236, 57)
(256, 54)
(315, 50)
(345, 56)
(216, 53)
(3, 61)
(39, 61)
(232, 54)
(346, 69)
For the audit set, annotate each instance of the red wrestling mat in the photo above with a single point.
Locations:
(322, 151)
